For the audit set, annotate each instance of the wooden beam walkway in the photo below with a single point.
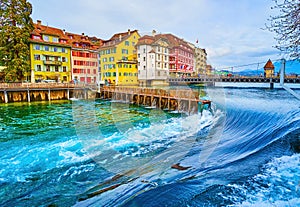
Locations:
(172, 100)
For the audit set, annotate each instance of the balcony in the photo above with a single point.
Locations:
(51, 62)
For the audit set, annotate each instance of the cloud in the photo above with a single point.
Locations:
(229, 30)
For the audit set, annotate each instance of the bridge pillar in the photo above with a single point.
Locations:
(271, 85)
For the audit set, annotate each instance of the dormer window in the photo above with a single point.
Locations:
(36, 37)
(46, 38)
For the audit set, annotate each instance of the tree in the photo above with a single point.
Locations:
(286, 27)
(15, 28)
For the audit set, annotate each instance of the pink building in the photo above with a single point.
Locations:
(85, 58)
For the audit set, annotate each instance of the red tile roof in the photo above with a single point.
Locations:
(117, 38)
(171, 39)
(40, 30)
(269, 65)
(82, 41)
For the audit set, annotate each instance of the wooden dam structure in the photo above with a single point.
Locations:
(172, 100)
(28, 92)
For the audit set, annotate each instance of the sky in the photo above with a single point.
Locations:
(231, 31)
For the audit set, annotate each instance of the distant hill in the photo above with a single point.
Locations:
(290, 67)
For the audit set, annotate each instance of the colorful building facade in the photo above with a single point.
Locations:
(118, 64)
(50, 54)
(85, 58)
(181, 56)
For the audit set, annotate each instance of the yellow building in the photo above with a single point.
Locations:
(118, 63)
(50, 54)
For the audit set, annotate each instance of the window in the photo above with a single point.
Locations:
(63, 50)
(38, 68)
(54, 39)
(36, 37)
(108, 51)
(127, 43)
(46, 48)
(111, 59)
(55, 49)
(64, 69)
(37, 47)
(48, 68)
(139, 55)
(124, 51)
(56, 68)
(46, 38)
(63, 59)
(144, 50)
(144, 58)
(37, 57)
(133, 43)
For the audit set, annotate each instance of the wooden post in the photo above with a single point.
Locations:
(5, 97)
(28, 95)
(49, 94)
(68, 94)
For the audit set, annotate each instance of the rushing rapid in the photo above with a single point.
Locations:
(100, 153)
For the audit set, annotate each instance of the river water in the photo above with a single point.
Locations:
(100, 153)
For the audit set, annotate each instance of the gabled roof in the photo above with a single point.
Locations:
(269, 65)
(118, 38)
(83, 41)
(40, 30)
(172, 40)
(70, 39)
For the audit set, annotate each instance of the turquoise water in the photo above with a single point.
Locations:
(101, 153)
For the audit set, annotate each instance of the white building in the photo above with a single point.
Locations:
(153, 60)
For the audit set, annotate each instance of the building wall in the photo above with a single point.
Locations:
(269, 73)
(181, 61)
(153, 61)
(200, 61)
(109, 56)
(50, 61)
(85, 65)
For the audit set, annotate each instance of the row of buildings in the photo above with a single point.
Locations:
(125, 59)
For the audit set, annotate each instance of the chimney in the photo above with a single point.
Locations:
(39, 22)
(64, 31)
(82, 34)
(153, 33)
(128, 31)
(120, 37)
